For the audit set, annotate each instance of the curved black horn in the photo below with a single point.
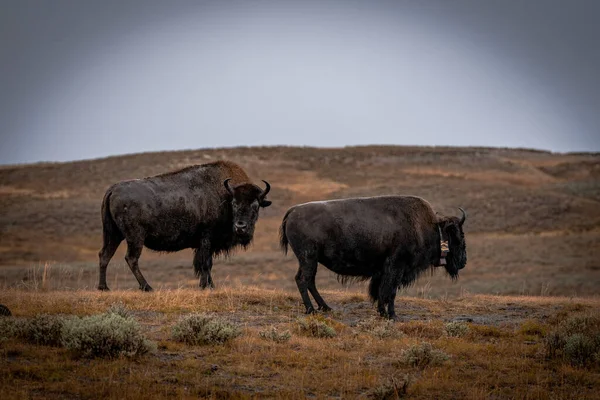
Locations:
(464, 217)
(267, 189)
(229, 189)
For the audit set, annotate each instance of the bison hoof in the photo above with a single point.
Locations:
(310, 310)
(325, 308)
(146, 288)
(103, 288)
(204, 287)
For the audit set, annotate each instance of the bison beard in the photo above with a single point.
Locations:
(390, 240)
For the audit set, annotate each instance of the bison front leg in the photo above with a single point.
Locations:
(202, 268)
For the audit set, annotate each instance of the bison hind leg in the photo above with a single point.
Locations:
(134, 251)
(111, 243)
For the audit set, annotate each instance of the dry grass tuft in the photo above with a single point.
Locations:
(532, 328)
(423, 355)
(316, 326)
(204, 329)
(275, 335)
(456, 329)
(380, 328)
(422, 329)
(394, 388)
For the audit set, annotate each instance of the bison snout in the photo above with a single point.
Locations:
(241, 226)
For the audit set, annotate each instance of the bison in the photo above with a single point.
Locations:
(390, 240)
(211, 208)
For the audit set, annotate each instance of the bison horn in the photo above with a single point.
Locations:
(229, 189)
(464, 217)
(267, 189)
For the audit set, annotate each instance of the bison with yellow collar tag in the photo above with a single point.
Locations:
(387, 239)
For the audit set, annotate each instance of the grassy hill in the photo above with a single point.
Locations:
(533, 225)
(532, 234)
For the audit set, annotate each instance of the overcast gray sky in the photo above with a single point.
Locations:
(84, 79)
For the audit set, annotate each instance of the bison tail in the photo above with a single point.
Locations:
(283, 240)
(109, 227)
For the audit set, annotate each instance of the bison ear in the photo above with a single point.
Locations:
(265, 203)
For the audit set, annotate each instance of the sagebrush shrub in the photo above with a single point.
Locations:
(380, 328)
(394, 388)
(42, 329)
(576, 340)
(456, 329)
(121, 309)
(580, 349)
(8, 328)
(275, 335)
(422, 355)
(105, 335)
(315, 327)
(202, 328)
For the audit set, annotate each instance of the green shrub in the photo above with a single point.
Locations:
(423, 355)
(394, 388)
(121, 309)
(105, 335)
(42, 329)
(201, 329)
(580, 349)
(274, 335)
(576, 340)
(315, 327)
(456, 329)
(8, 328)
(380, 328)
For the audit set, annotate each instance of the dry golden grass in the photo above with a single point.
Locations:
(532, 231)
(501, 356)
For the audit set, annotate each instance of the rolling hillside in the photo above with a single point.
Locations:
(533, 222)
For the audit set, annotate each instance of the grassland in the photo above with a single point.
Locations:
(533, 225)
(533, 234)
(501, 356)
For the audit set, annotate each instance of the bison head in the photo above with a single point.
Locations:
(246, 200)
(457, 255)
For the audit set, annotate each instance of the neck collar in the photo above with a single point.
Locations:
(444, 249)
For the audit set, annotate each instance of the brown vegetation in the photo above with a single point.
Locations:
(503, 354)
(533, 231)
(533, 223)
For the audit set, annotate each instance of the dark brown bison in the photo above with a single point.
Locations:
(210, 208)
(389, 240)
